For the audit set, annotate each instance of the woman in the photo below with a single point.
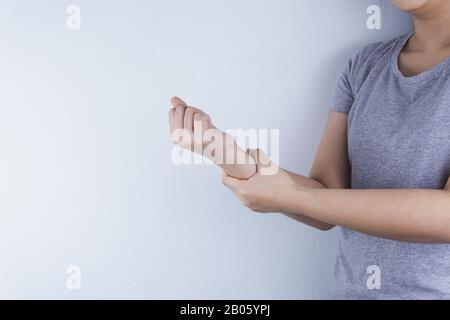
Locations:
(381, 168)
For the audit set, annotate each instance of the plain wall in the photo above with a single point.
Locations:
(86, 176)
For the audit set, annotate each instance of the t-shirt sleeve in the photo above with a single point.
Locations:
(343, 97)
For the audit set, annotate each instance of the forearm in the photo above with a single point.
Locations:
(416, 215)
(306, 182)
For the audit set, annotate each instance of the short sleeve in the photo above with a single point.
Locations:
(356, 72)
(343, 97)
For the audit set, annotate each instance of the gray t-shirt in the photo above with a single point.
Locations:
(398, 137)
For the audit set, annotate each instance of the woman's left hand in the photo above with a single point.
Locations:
(267, 191)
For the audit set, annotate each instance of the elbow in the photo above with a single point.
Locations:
(445, 237)
(325, 227)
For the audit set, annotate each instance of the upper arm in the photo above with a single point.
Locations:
(331, 166)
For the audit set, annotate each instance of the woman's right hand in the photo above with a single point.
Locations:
(188, 125)
(192, 129)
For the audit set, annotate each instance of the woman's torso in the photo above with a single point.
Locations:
(398, 137)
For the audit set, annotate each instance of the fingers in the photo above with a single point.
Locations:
(254, 154)
(201, 122)
(179, 117)
(207, 122)
(198, 128)
(175, 102)
(178, 102)
(172, 120)
(232, 183)
(189, 119)
(260, 157)
(177, 113)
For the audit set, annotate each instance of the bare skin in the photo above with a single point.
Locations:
(431, 43)
(181, 116)
(194, 120)
(324, 199)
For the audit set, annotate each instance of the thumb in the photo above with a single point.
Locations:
(175, 101)
(232, 183)
(260, 157)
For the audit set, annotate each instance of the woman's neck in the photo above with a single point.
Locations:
(432, 29)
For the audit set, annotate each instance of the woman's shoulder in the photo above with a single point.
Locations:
(373, 52)
(372, 57)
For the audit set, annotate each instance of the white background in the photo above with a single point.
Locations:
(86, 176)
